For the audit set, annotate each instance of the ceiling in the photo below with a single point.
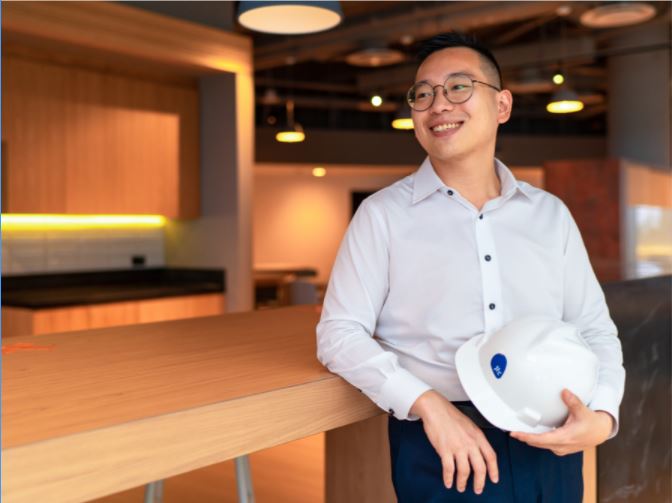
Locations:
(531, 41)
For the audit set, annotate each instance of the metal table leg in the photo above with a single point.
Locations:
(244, 480)
(154, 492)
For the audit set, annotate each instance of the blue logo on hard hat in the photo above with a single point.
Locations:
(498, 365)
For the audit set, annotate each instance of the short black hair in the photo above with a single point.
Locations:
(457, 39)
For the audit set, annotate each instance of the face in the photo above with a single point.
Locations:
(452, 132)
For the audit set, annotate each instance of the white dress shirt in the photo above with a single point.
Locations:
(421, 270)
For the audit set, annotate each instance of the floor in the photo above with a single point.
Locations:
(289, 473)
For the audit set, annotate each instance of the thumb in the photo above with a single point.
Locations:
(573, 403)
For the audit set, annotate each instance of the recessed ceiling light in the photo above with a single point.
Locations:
(615, 14)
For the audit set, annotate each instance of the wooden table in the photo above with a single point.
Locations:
(95, 412)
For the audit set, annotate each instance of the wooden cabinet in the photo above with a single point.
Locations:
(85, 141)
(20, 321)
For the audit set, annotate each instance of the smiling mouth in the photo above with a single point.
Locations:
(446, 126)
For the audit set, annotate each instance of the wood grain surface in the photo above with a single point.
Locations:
(99, 411)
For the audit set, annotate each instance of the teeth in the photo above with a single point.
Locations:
(443, 127)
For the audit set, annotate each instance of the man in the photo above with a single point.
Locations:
(457, 249)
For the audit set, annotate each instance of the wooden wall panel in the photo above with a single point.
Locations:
(113, 314)
(19, 321)
(173, 308)
(34, 109)
(364, 445)
(16, 321)
(60, 319)
(85, 141)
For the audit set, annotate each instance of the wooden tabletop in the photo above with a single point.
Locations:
(95, 412)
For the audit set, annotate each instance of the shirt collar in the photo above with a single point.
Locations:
(509, 182)
(426, 181)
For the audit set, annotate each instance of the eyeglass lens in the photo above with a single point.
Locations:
(456, 89)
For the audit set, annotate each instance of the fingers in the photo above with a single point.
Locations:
(463, 470)
(478, 465)
(573, 402)
(546, 440)
(490, 458)
(448, 470)
(557, 441)
(481, 460)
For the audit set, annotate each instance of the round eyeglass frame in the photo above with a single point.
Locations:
(445, 91)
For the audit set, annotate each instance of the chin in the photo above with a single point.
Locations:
(450, 154)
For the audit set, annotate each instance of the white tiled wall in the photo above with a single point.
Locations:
(58, 250)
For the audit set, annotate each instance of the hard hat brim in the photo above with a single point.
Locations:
(481, 394)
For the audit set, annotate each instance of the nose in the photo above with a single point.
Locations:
(441, 102)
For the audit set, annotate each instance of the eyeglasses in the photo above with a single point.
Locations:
(457, 89)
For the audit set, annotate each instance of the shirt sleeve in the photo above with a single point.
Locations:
(585, 307)
(355, 296)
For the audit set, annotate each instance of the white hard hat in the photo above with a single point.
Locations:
(515, 376)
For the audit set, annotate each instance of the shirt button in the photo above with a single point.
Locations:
(391, 411)
(491, 306)
(480, 217)
(488, 258)
(450, 192)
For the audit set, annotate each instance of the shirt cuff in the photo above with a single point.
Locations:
(605, 399)
(400, 392)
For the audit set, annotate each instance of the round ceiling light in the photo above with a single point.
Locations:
(611, 15)
(289, 17)
(402, 119)
(374, 57)
(565, 101)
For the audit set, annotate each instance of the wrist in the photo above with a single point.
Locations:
(422, 404)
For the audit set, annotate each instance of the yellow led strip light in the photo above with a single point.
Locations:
(30, 221)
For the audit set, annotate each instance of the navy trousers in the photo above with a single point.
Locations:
(526, 474)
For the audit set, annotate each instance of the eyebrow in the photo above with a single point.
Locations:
(463, 72)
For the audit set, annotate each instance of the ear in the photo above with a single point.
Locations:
(504, 106)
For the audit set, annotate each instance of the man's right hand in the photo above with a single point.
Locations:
(460, 444)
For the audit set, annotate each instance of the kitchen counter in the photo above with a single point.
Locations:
(71, 289)
(109, 409)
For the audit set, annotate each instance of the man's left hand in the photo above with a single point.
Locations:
(583, 428)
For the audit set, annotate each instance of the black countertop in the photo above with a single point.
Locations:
(636, 465)
(41, 291)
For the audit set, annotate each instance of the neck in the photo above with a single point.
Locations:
(475, 177)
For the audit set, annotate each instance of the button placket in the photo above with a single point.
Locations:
(490, 274)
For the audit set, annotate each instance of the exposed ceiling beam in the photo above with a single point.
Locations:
(522, 29)
(426, 20)
(330, 103)
(312, 85)
(511, 58)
